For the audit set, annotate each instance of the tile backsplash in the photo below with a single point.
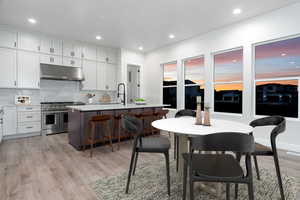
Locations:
(52, 90)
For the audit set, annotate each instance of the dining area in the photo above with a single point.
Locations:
(218, 160)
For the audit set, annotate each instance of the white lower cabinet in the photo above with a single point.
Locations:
(28, 70)
(10, 121)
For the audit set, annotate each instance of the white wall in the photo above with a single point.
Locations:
(280, 23)
(132, 58)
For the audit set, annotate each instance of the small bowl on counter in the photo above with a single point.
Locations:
(140, 101)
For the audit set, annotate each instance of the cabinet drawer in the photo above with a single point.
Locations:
(29, 108)
(29, 127)
(29, 117)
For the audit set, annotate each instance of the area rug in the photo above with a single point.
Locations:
(149, 183)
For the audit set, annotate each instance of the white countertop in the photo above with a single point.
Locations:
(86, 108)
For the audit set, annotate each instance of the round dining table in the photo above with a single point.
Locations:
(185, 127)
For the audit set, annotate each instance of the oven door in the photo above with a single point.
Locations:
(51, 123)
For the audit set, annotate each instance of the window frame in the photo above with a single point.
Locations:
(169, 86)
(254, 80)
(183, 74)
(228, 82)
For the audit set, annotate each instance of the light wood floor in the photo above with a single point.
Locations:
(48, 168)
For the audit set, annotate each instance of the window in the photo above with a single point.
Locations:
(228, 85)
(277, 71)
(194, 82)
(170, 84)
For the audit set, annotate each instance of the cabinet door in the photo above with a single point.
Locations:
(112, 55)
(50, 59)
(71, 62)
(101, 76)
(89, 52)
(10, 121)
(28, 69)
(8, 39)
(28, 41)
(111, 76)
(56, 45)
(90, 75)
(72, 49)
(8, 68)
(101, 54)
(51, 45)
(46, 44)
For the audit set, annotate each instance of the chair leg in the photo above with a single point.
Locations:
(92, 139)
(135, 161)
(168, 171)
(276, 161)
(191, 188)
(110, 137)
(119, 134)
(184, 181)
(236, 189)
(130, 171)
(175, 147)
(256, 167)
(227, 191)
(250, 191)
(177, 153)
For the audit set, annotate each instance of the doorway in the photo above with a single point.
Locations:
(133, 83)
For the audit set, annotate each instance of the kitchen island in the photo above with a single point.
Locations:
(79, 116)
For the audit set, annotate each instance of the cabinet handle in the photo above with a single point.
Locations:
(107, 87)
(29, 127)
(51, 50)
(28, 108)
(15, 82)
(107, 59)
(72, 53)
(72, 62)
(39, 48)
(15, 44)
(51, 59)
(82, 55)
(29, 117)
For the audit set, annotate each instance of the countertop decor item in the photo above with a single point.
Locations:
(22, 100)
(105, 98)
(206, 115)
(198, 113)
(90, 97)
(140, 101)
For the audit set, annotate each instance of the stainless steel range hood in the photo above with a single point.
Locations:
(58, 72)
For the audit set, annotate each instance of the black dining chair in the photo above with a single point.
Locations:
(144, 145)
(223, 168)
(261, 150)
(181, 113)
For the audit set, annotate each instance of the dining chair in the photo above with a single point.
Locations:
(222, 168)
(144, 145)
(181, 113)
(261, 150)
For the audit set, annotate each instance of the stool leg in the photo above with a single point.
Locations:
(119, 134)
(92, 139)
(110, 136)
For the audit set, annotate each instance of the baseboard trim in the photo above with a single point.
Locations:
(281, 145)
(17, 136)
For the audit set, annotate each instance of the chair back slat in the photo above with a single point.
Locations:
(185, 112)
(277, 121)
(227, 141)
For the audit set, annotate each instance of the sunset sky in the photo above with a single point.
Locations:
(272, 60)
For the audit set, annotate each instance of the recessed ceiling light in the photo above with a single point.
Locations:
(141, 48)
(32, 20)
(171, 36)
(237, 11)
(98, 37)
(283, 54)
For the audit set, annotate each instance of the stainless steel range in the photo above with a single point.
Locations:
(55, 116)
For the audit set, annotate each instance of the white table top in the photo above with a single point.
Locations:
(186, 126)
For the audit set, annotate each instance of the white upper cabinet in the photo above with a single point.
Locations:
(112, 55)
(8, 39)
(72, 49)
(89, 52)
(29, 41)
(111, 77)
(8, 68)
(90, 75)
(50, 59)
(101, 54)
(28, 70)
(72, 62)
(101, 76)
(51, 45)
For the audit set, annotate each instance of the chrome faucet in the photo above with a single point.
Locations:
(123, 101)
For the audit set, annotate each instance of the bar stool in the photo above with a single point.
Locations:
(144, 117)
(103, 121)
(117, 120)
(160, 114)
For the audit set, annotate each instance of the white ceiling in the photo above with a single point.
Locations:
(130, 23)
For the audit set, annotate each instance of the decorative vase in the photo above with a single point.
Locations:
(206, 116)
(199, 112)
(90, 100)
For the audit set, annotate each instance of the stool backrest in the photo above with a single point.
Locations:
(185, 112)
(227, 141)
(132, 124)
